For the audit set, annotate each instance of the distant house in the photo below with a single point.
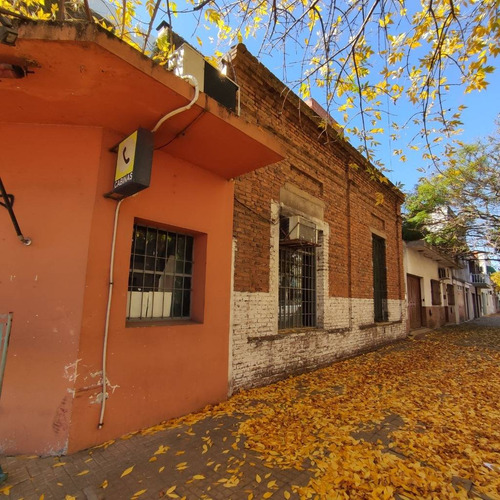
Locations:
(168, 319)
(318, 254)
(432, 297)
(475, 275)
(442, 290)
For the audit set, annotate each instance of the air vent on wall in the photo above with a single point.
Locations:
(188, 61)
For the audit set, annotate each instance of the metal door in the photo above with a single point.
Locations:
(414, 302)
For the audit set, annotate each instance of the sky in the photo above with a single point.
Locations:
(478, 118)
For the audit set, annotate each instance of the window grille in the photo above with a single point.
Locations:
(160, 277)
(450, 292)
(379, 279)
(297, 286)
(436, 292)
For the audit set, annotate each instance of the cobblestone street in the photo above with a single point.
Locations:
(415, 419)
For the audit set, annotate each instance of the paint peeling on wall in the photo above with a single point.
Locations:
(71, 371)
(97, 398)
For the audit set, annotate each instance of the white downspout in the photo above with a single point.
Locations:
(106, 324)
(160, 122)
(194, 82)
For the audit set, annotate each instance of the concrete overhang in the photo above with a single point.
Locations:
(85, 76)
(432, 253)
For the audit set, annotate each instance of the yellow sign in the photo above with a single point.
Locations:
(125, 161)
(134, 162)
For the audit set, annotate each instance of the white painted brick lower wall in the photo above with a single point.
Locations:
(261, 355)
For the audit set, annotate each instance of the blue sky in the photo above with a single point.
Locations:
(478, 118)
(478, 122)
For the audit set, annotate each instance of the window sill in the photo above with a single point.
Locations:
(287, 331)
(379, 323)
(139, 323)
(284, 333)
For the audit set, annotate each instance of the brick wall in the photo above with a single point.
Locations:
(338, 194)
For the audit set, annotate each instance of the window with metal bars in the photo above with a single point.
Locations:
(160, 277)
(297, 286)
(450, 292)
(379, 279)
(436, 292)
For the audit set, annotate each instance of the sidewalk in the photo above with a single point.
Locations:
(416, 419)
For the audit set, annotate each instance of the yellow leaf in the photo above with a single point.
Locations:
(267, 494)
(379, 198)
(258, 478)
(86, 471)
(126, 472)
(139, 493)
(153, 459)
(104, 484)
(198, 476)
(271, 484)
(6, 490)
(161, 449)
(69, 497)
(171, 489)
(42, 497)
(161, 469)
(287, 495)
(60, 484)
(59, 464)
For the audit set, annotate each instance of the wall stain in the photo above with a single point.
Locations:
(61, 418)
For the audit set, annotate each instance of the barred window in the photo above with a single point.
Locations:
(436, 292)
(379, 279)
(160, 277)
(450, 292)
(297, 286)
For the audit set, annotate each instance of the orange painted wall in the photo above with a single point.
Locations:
(52, 171)
(59, 289)
(160, 371)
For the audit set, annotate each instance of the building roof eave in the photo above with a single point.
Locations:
(83, 75)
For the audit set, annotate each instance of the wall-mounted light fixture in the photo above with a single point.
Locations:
(8, 34)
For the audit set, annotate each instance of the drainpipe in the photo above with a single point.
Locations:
(160, 122)
(106, 324)
(349, 249)
(399, 240)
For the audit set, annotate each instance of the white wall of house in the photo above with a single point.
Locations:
(425, 268)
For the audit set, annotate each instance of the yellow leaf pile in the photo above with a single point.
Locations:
(414, 420)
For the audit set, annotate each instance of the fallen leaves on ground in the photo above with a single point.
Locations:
(5, 490)
(127, 471)
(444, 390)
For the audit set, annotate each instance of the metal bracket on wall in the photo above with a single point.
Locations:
(8, 202)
